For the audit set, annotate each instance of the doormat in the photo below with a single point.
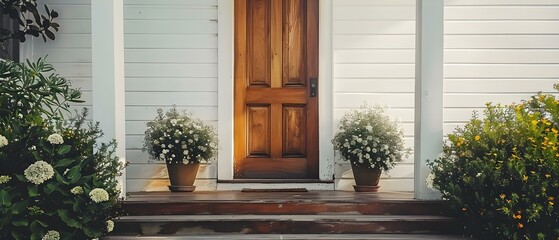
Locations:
(274, 190)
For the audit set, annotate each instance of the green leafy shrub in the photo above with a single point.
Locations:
(501, 173)
(56, 181)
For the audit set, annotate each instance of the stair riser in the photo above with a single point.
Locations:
(378, 208)
(283, 227)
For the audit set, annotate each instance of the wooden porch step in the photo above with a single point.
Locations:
(257, 203)
(295, 237)
(218, 213)
(283, 224)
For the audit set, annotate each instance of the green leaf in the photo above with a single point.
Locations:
(19, 207)
(5, 199)
(50, 187)
(66, 217)
(64, 149)
(64, 162)
(60, 179)
(37, 227)
(20, 223)
(92, 232)
(33, 190)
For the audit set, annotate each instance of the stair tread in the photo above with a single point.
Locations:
(295, 237)
(364, 218)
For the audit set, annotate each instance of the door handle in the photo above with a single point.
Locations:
(313, 87)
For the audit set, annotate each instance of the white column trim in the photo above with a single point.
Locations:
(325, 92)
(225, 98)
(107, 46)
(428, 91)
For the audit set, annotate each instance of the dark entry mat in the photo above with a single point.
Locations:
(274, 190)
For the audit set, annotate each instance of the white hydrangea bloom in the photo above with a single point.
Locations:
(39, 172)
(99, 195)
(55, 138)
(77, 190)
(52, 235)
(110, 225)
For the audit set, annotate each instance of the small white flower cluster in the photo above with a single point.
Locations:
(99, 195)
(3, 141)
(77, 190)
(110, 225)
(39, 172)
(51, 235)
(55, 139)
(175, 137)
(367, 137)
(5, 179)
(429, 181)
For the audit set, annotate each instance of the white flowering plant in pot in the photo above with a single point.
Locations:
(368, 138)
(175, 137)
(56, 181)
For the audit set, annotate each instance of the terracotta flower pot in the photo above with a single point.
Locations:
(366, 179)
(182, 176)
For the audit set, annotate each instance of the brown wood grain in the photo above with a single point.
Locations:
(273, 65)
(240, 77)
(259, 136)
(258, 42)
(294, 34)
(294, 130)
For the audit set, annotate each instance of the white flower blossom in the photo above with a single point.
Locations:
(429, 181)
(369, 128)
(5, 179)
(110, 225)
(3, 141)
(55, 138)
(77, 190)
(99, 195)
(52, 235)
(39, 172)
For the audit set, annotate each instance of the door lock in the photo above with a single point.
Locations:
(313, 87)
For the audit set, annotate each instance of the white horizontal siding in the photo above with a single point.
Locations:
(170, 59)
(70, 52)
(497, 51)
(374, 62)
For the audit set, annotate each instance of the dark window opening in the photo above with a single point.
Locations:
(10, 48)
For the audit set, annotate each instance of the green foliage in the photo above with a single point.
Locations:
(30, 20)
(501, 173)
(369, 138)
(177, 137)
(34, 201)
(33, 89)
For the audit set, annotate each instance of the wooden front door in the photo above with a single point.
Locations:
(276, 102)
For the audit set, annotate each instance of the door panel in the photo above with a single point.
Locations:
(276, 118)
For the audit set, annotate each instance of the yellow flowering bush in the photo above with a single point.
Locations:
(501, 172)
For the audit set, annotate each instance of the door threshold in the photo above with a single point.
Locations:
(238, 186)
(275, 181)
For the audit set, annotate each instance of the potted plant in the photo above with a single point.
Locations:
(183, 142)
(371, 142)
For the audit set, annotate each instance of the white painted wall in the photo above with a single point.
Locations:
(495, 50)
(374, 62)
(170, 58)
(70, 53)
